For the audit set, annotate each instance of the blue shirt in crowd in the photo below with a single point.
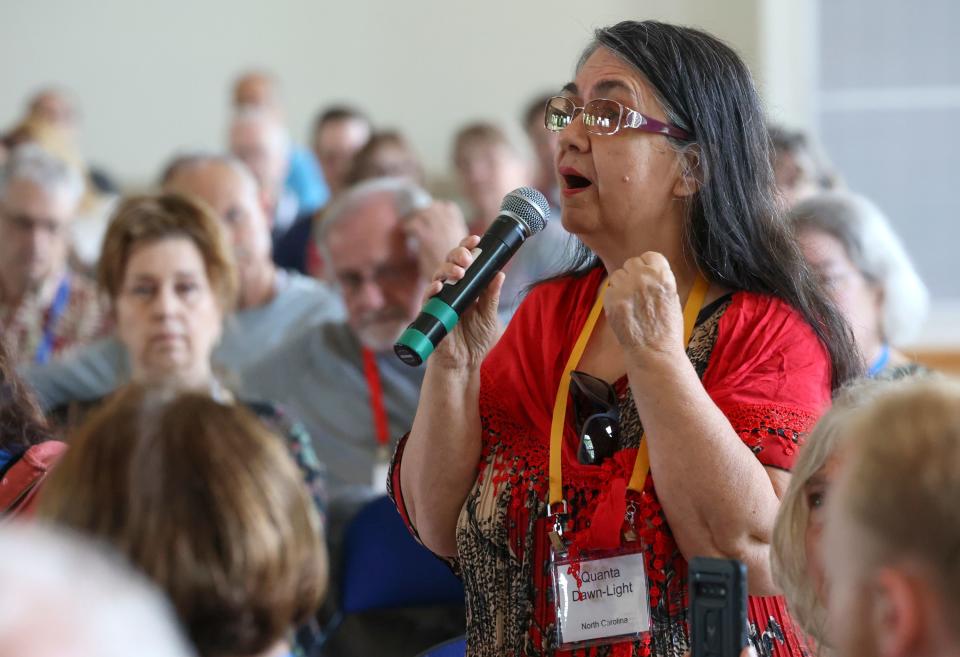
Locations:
(305, 180)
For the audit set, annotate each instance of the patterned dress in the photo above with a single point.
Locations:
(763, 367)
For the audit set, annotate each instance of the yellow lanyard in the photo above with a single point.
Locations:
(642, 464)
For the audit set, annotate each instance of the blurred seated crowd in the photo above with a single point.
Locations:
(200, 395)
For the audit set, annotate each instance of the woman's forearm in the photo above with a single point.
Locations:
(441, 455)
(718, 498)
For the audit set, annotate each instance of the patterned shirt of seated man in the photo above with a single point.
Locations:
(45, 308)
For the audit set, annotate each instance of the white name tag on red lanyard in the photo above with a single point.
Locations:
(602, 601)
(381, 471)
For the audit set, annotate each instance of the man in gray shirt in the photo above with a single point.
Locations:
(381, 242)
(273, 305)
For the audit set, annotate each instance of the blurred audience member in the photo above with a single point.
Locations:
(256, 89)
(259, 140)
(386, 155)
(27, 448)
(226, 186)
(892, 528)
(489, 167)
(45, 308)
(338, 133)
(381, 241)
(544, 143)
(58, 108)
(797, 560)
(201, 498)
(272, 304)
(863, 266)
(95, 205)
(65, 596)
(260, 89)
(170, 278)
(799, 166)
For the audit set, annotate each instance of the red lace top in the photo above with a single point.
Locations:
(761, 364)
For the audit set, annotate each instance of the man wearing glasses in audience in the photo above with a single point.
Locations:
(273, 304)
(381, 241)
(45, 309)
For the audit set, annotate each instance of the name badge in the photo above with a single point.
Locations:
(601, 600)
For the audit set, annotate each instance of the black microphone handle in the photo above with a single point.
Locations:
(443, 310)
(495, 249)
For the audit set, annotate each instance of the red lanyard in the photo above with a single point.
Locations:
(372, 372)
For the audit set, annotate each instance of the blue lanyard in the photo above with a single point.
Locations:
(880, 362)
(60, 301)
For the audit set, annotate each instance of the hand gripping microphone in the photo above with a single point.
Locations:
(523, 213)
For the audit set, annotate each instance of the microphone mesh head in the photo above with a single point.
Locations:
(530, 206)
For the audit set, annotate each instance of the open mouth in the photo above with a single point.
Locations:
(572, 180)
(576, 182)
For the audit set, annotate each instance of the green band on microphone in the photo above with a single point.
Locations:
(417, 342)
(447, 315)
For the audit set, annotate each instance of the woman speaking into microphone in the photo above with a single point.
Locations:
(646, 406)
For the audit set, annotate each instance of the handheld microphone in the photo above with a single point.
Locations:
(523, 213)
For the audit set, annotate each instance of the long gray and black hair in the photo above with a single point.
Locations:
(734, 228)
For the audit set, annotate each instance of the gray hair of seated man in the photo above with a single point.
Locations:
(875, 250)
(45, 170)
(65, 595)
(407, 196)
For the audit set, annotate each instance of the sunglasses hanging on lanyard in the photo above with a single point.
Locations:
(600, 592)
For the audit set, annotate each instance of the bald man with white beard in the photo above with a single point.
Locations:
(274, 305)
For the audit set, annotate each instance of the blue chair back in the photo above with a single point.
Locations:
(384, 567)
(452, 648)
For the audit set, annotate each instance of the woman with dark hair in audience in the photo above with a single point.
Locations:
(204, 500)
(27, 447)
(171, 281)
(648, 404)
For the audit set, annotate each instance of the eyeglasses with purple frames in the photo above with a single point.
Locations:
(604, 116)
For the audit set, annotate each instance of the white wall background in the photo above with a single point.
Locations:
(153, 77)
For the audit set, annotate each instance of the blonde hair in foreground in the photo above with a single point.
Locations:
(204, 500)
(903, 491)
(790, 562)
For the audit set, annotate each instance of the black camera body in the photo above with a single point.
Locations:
(718, 607)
